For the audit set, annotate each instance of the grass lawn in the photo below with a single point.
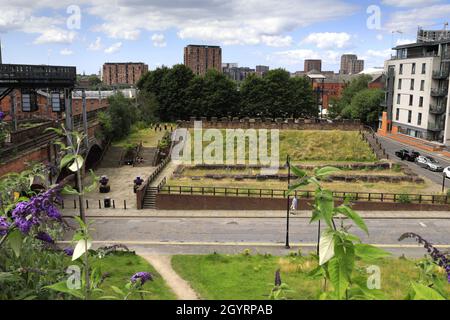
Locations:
(149, 137)
(121, 266)
(251, 277)
(315, 145)
(338, 186)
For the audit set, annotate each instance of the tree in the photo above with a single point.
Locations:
(279, 97)
(121, 114)
(253, 97)
(303, 104)
(355, 86)
(147, 107)
(366, 106)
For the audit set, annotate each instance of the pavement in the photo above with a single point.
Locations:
(391, 146)
(275, 214)
(162, 235)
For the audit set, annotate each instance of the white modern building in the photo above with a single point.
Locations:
(417, 91)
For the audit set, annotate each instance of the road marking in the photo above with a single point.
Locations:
(423, 225)
(243, 244)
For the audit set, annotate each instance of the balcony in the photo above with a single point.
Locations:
(439, 92)
(440, 75)
(435, 127)
(437, 109)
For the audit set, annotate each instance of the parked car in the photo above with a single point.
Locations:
(447, 172)
(429, 163)
(407, 154)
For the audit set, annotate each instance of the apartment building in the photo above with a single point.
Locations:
(350, 64)
(200, 58)
(126, 73)
(312, 64)
(417, 92)
(236, 73)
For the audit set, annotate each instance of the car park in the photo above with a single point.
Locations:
(429, 163)
(409, 155)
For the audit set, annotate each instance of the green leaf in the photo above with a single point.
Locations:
(370, 253)
(338, 277)
(56, 130)
(15, 240)
(297, 185)
(68, 158)
(68, 190)
(325, 205)
(62, 287)
(326, 248)
(354, 216)
(298, 172)
(325, 171)
(77, 164)
(425, 293)
(117, 290)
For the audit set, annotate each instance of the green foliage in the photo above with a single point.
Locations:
(338, 249)
(365, 105)
(404, 198)
(180, 94)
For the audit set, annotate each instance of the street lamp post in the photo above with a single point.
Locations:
(288, 163)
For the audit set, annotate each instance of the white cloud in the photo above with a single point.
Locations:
(408, 20)
(56, 35)
(409, 3)
(114, 48)
(218, 22)
(329, 40)
(297, 56)
(96, 45)
(400, 42)
(159, 40)
(66, 52)
(380, 37)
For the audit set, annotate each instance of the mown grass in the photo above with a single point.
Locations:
(312, 145)
(148, 136)
(251, 277)
(121, 266)
(337, 186)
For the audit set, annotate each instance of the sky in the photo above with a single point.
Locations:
(277, 33)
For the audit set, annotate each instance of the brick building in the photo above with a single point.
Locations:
(313, 64)
(200, 58)
(94, 100)
(127, 73)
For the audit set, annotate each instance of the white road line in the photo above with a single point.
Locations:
(423, 225)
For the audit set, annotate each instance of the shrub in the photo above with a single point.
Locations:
(404, 198)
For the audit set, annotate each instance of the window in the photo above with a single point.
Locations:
(421, 102)
(412, 85)
(397, 114)
(419, 119)
(409, 116)
(422, 85)
(399, 84)
(411, 99)
(401, 68)
(424, 68)
(398, 98)
(413, 69)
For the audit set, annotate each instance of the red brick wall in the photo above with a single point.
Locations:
(40, 155)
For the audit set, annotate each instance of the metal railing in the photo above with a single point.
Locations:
(437, 109)
(306, 194)
(442, 74)
(439, 92)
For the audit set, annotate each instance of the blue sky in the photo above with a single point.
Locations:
(278, 33)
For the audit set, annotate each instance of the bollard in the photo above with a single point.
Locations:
(99, 204)
(125, 204)
(74, 204)
(87, 204)
(114, 204)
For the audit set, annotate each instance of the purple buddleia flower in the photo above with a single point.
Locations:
(45, 237)
(2, 115)
(27, 214)
(68, 251)
(4, 226)
(439, 258)
(143, 276)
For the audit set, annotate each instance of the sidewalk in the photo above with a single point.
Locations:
(152, 213)
(418, 144)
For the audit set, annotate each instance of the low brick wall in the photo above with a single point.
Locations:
(199, 202)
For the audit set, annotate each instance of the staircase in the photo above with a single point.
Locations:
(150, 198)
(112, 158)
(148, 154)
